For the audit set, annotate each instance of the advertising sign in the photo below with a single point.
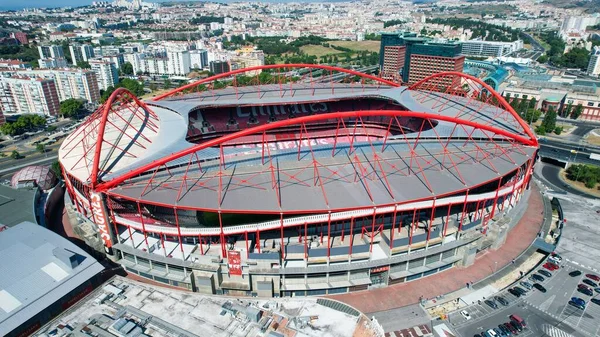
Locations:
(234, 262)
(100, 218)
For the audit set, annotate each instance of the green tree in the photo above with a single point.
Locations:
(567, 110)
(540, 130)
(83, 65)
(542, 59)
(167, 84)
(15, 155)
(577, 112)
(134, 86)
(40, 148)
(55, 167)
(549, 122)
(127, 68)
(70, 107)
(558, 130)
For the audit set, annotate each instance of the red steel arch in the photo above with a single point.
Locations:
(124, 98)
(421, 85)
(309, 119)
(274, 66)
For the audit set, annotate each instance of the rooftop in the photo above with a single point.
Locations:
(16, 206)
(38, 268)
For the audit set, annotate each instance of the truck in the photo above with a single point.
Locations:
(594, 156)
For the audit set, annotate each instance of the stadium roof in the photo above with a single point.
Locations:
(38, 268)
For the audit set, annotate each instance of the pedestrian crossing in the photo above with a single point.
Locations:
(553, 331)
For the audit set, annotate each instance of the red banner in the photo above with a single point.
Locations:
(234, 262)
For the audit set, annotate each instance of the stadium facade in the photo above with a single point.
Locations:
(310, 180)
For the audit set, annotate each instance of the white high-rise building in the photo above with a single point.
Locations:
(53, 51)
(52, 63)
(178, 62)
(81, 53)
(136, 60)
(69, 83)
(594, 64)
(198, 59)
(106, 73)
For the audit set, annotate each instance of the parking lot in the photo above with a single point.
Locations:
(546, 314)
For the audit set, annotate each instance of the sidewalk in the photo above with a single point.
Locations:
(518, 242)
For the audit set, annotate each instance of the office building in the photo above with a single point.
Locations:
(23, 94)
(199, 59)
(42, 274)
(393, 61)
(81, 53)
(594, 64)
(480, 48)
(52, 51)
(422, 56)
(106, 73)
(52, 63)
(219, 67)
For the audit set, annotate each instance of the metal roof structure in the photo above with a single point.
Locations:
(38, 268)
(17, 205)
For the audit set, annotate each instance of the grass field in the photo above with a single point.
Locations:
(592, 138)
(318, 50)
(358, 45)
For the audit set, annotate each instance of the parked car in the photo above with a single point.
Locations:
(597, 289)
(491, 303)
(518, 319)
(593, 277)
(516, 325)
(504, 330)
(502, 300)
(492, 333)
(537, 278)
(555, 258)
(550, 266)
(577, 305)
(539, 287)
(545, 273)
(595, 301)
(590, 283)
(511, 328)
(585, 290)
(498, 332)
(465, 314)
(521, 290)
(514, 292)
(526, 285)
(575, 273)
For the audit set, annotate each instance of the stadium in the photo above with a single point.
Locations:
(297, 180)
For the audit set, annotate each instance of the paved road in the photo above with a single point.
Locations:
(550, 173)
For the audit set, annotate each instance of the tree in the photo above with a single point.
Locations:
(15, 155)
(55, 167)
(549, 122)
(83, 65)
(40, 148)
(567, 110)
(134, 86)
(577, 112)
(558, 130)
(540, 130)
(70, 107)
(127, 68)
(167, 84)
(542, 59)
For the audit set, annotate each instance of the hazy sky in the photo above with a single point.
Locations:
(18, 4)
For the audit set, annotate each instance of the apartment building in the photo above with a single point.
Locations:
(594, 64)
(19, 95)
(13, 64)
(52, 63)
(70, 83)
(106, 73)
(51, 52)
(198, 59)
(81, 53)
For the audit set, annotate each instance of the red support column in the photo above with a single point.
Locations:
(343, 230)
(258, 240)
(131, 237)
(447, 220)
(476, 215)
(201, 244)
(351, 234)
(246, 239)
(281, 232)
(178, 233)
(305, 240)
(393, 228)
(143, 226)
(496, 198)
(412, 227)
(462, 217)
(328, 234)
(372, 229)
(222, 237)
(430, 221)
